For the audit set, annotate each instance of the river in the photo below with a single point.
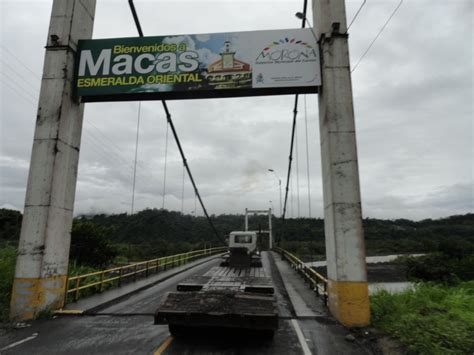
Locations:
(392, 287)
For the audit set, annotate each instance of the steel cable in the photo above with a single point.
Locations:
(378, 35)
(173, 130)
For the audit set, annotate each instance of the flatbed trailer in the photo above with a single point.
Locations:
(224, 297)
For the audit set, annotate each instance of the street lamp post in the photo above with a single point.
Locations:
(279, 184)
(302, 16)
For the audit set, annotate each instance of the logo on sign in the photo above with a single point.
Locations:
(287, 51)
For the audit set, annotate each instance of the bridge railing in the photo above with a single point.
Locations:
(96, 282)
(317, 281)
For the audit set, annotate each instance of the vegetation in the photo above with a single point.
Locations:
(90, 244)
(76, 269)
(7, 270)
(153, 233)
(436, 317)
(10, 225)
(429, 319)
(440, 268)
(449, 264)
(103, 240)
(166, 232)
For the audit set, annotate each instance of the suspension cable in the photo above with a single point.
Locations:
(139, 28)
(297, 172)
(378, 35)
(356, 14)
(290, 157)
(185, 163)
(290, 197)
(173, 130)
(295, 112)
(135, 17)
(166, 163)
(136, 158)
(195, 204)
(182, 193)
(307, 156)
(303, 21)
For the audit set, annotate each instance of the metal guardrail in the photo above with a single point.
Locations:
(97, 281)
(317, 281)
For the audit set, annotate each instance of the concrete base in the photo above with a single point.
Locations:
(349, 302)
(31, 296)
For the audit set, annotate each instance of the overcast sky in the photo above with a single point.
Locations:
(413, 98)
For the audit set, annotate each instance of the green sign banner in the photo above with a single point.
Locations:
(196, 66)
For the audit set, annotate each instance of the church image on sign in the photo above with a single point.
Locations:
(229, 72)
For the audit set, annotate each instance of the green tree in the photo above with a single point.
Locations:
(7, 271)
(89, 244)
(10, 224)
(458, 249)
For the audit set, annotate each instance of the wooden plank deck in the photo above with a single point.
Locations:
(232, 279)
(223, 296)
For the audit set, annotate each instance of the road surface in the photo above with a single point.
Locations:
(127, 326)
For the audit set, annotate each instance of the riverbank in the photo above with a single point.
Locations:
(428, 318)
(379, 272)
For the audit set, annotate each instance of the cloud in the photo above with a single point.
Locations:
(203, 38)
(206, 56)
(441, 202)
(413, 107)
(190, 44)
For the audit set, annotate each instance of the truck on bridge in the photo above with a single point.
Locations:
(235, 295)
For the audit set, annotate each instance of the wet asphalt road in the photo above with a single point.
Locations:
(127, 328)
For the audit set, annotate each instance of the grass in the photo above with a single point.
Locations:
(429, 319)
(7, 271)
(75, 270)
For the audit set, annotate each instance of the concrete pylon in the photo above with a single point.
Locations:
(345, 247)
(43, 251)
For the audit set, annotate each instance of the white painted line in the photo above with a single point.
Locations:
(301, 338)
(19, 342)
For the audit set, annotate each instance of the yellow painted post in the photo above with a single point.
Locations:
(101, 281)
(120, 277)
(66, 289)
(325, 289)
(76, 294)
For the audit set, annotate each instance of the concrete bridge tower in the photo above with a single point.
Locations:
(43, 251)
(345, 249)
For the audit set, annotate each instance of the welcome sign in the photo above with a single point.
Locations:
(197, 66)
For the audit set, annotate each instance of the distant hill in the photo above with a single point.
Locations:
(159, 226)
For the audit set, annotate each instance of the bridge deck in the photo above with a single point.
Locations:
(127, 326)
(251, 279)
